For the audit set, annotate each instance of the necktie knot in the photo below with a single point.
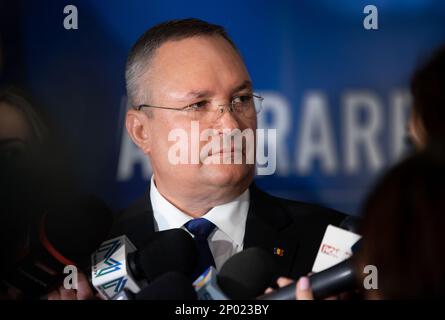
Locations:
(200, 228)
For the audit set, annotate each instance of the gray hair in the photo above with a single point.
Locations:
(143, 50)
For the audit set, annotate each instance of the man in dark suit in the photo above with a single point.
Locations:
(186, 83)
(272, 223)
(187, 75)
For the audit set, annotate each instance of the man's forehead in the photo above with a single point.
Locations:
(183, 47)
(196, 67)
(183, 93)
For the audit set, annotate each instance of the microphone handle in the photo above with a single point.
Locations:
(335, 280)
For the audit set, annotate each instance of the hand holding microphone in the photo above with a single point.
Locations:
(303, 290)
(328, 283)
(121, 272)
(117, 265)
(334, 270)
(83, 291)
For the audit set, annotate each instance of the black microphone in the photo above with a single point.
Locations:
(335, 280)
(170, 250)
(169, 286)
(117, 265)
(66, 234)
(244, 276)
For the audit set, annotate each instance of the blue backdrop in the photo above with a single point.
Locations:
(336, 93)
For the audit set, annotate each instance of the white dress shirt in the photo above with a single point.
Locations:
(229, 219)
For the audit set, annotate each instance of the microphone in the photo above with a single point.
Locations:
(67, 234)
(169, 286)
(117, 265)
(337, 245)
(244, 276)
(335, 280)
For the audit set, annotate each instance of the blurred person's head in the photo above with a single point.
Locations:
(403, 226)
(35, 176)
(194, 64)
(22, 133)
(19, 119)
(426, 124)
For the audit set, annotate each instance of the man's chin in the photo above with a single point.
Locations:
(228, 174)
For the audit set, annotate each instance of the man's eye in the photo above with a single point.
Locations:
(242, 99)
(199, 105)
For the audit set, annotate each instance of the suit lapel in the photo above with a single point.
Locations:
(269, 227)
(138, 221)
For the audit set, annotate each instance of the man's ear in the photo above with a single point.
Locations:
(138, 129)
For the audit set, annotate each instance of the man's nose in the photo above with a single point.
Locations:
(227, 119)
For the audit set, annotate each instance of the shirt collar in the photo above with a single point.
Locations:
(230, 217)
(166, 215)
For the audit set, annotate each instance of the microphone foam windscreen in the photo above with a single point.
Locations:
(247, 274)
(169, 286)
(77, 227)
(170, 250)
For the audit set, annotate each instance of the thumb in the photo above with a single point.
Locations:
(304, 291)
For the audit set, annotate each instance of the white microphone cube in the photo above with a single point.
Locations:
(334, 248)
(110, 272)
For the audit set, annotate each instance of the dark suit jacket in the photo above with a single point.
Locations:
(295, 227)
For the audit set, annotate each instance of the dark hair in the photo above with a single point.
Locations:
(428, 90)
(153, 38)
(403, 227)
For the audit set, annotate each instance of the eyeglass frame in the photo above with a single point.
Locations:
(189, 106)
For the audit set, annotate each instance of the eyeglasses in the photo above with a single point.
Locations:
(246, 106)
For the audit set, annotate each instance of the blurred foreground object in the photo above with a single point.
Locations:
(402, 229)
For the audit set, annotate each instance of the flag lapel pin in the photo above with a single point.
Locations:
(278, 251)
